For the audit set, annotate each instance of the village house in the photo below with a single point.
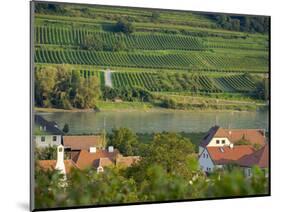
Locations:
(64, 166)
(73, 144)
(97, 159)
(46, 133)
(219, 137)
(217, 157)
(221, 147)
(258, 158)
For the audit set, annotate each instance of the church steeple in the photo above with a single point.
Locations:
(60, 160)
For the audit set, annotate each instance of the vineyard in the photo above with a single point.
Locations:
(66, 36)
(166, 51)
(204, 61)
(88, 73)
(183, 82)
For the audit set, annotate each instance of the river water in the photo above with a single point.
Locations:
(173, 121)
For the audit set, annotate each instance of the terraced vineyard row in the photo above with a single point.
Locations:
(228, 45)
(183, 82)
(238, 83)
(191, 61)
(66, 36)
(135, 79)
(89, 73)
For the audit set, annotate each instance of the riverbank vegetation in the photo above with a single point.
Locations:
(62, 88)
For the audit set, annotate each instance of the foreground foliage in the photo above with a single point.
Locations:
(168, 170)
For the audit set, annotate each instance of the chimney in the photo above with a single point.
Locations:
(60, 159)
(231, 146)
(110, 149)
(93, 149)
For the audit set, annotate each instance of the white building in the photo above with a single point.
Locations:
(217, 157)
(46, 133)
(221, 146)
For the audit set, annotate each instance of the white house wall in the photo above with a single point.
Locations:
(206, 162)
(213, 142)
(48, 140)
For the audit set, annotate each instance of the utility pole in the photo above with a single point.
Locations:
(104, 133)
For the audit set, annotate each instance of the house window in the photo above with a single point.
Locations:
(249, 172)
(218, 141)
(42, 138)
(206, 155)
(223, 141)
(54, 138)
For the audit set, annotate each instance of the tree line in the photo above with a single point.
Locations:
(250, 24)
(60, 87)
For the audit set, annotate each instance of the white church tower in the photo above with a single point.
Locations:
(60, 160)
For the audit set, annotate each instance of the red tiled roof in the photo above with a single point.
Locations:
(50, 165)
(127, 161)
(83, 142)
(254, 136)
(103, 162)
(225, 155)
(86, 159)
(259, 158)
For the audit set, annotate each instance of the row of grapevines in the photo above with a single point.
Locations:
(192, 60)
(66, 36)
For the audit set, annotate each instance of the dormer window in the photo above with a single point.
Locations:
(223, 141)
(100, 169)
(217, 141)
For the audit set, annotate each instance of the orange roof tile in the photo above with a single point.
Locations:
(127, 161)
(86, 159)
(50, 165)
(103, 162)
(254, 136)
(259, 158)
(82, 142)
(225, 155)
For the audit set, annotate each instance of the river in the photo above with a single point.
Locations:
(141, 121)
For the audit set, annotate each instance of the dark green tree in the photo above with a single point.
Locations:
(125, 26)
(65, 128)
(124, 140)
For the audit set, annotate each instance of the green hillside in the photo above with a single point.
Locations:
(156, 50)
